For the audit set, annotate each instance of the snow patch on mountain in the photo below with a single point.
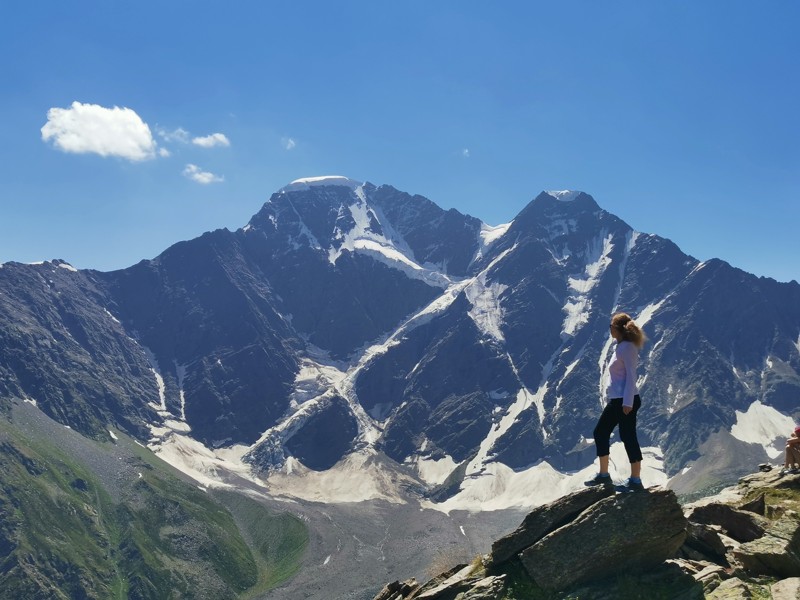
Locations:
(500, 487)
(578, 305)
(486, 311)
(391, 257)
(153, 361)
(647, 313)
(113, 318)
(208, 467)
(564, 195)
(433, 471)
(558, 228)
(571, 366)
(763, 425)
(316, 385)
(523, 401)
(487, 237)
(384, 244)
(180, 372)
(358, 477)
(435, 308)
(422, 317)
(306, 183)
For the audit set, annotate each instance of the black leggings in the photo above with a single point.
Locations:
(613, 416)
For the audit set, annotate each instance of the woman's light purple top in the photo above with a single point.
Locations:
(621, 382)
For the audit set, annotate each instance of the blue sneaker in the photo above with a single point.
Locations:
(599, 479)
(630, 486)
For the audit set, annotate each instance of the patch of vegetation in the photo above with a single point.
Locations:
(54, 540)
(785, 497)
(278, 540)
(63, 535)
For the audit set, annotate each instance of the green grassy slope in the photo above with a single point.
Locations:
(68, 532)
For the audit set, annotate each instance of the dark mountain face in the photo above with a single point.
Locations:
(62, 346)
(348, 316)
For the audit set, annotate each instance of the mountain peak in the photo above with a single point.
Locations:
(301, 185)
(564, 195)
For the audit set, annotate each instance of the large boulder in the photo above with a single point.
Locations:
(777, 552)
(543, 520)
(624, 533)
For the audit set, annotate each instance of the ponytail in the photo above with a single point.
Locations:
(623, 323)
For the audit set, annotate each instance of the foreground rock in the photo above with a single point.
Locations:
(544, 520)
(777, 552)
(620, 534)
(597, 545)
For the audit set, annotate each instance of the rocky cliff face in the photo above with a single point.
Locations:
(348, 318)
(595, 544)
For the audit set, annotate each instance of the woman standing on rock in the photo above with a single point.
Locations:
(622, 403)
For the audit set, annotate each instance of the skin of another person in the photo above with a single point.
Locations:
(792, 442)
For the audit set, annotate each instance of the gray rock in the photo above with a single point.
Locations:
(776, 553)
(456, 582)
(544, 520)
(621, 534)
(397, 590)
(786, 589)
(732, 589)
(705, 540)
(710, 577)
(741, 525)
(488, 588)
(669, 580)
(758, 505)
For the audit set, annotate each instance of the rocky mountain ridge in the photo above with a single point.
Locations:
(349, 323)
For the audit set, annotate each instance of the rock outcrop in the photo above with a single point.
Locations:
(605, 546)
(777, 552)
(620, 534)
(543, 520)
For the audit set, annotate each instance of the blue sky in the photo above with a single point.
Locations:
(682, 118)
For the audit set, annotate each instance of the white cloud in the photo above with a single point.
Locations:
(209, 141)
(465, 152)
(288, 143)
(93, 129)
(195, 173)
(163, 152)
(176, 135)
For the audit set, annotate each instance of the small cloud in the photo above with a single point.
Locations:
(209, 141)
(163, 152)
(94, 129)
(195, 173)
(465, 152)
(288, 143)
(176, 135)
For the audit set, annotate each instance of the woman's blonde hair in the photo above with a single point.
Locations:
(630, 331)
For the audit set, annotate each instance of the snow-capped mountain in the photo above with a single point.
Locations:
(365, 338)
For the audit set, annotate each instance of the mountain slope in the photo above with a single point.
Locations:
(346, 322)
(86, 519)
